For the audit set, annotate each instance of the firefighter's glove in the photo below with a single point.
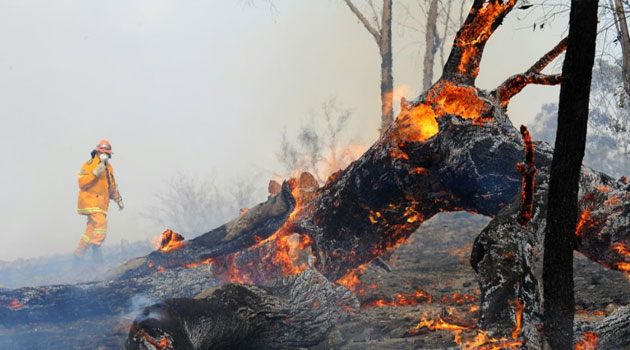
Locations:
(99, 169)
(120, 203)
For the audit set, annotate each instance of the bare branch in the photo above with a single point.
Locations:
(375, 14)
(366, 23)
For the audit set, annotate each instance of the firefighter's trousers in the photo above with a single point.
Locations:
(94, 232)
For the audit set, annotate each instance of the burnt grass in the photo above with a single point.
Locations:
(434, 260)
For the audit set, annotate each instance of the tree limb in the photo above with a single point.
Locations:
(514, 84)
(366, 23)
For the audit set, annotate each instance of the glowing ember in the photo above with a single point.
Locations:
(603, 188)
(401, 300)
(518, 320)
(204, 262)
(15, 304)
(163, 344)
(588, 341)
(351, 279)
(585, 219)
(528, 171)
(171, 240)
(621, 248)
(436, 324)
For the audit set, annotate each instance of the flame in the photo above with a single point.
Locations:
(436, 324)
(400, 299)
(164, 343)
(15, 304)
(518, 320)
(585, 219)
(351, 279)
(477, 32)
(419, 123)
(243, 211)
(195, 264)
(603, 188)
(588, 341)
(621, 248)
(171, 240)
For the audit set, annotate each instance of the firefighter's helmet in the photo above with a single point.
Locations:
(104, 146)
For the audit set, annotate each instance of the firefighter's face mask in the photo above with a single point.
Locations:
(104, 157)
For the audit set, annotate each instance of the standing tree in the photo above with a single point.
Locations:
(562, 212)
(382, 33)
(619, 15)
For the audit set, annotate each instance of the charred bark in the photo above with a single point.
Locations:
(294, 312)
(562, 213)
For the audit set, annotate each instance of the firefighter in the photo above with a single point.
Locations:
(97, 186)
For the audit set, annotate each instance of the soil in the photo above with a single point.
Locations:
(434, 261)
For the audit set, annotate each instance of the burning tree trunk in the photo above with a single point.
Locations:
(451, 149)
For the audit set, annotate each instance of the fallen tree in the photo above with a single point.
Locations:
(451, 149)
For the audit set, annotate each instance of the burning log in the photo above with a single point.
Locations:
(294, 312)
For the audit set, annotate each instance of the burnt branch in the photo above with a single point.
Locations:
(514, 84)
(528, 171)
(549, 57)
(483, 19)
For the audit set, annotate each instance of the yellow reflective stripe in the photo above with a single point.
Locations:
(91, 210)
(100, 230)
(85, 238)
(80, 176)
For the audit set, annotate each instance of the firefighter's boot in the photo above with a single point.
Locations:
(97, 254)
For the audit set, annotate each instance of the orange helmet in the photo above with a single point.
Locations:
(104, 146)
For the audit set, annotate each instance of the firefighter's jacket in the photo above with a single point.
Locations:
(96, 191)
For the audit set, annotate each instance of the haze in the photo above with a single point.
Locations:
(195, 88)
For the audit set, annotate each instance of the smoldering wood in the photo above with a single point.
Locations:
(294, 312)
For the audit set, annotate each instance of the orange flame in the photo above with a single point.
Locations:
(400, 299)
(171, 240)
(585, 218)
(478, 32)
(588, 341)
(15, 304)
(437, 323)
(519, 320)
(351, 279)
(419, 123)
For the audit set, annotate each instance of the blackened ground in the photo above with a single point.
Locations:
(434, 260)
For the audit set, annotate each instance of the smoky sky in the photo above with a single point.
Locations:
(201, 88)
